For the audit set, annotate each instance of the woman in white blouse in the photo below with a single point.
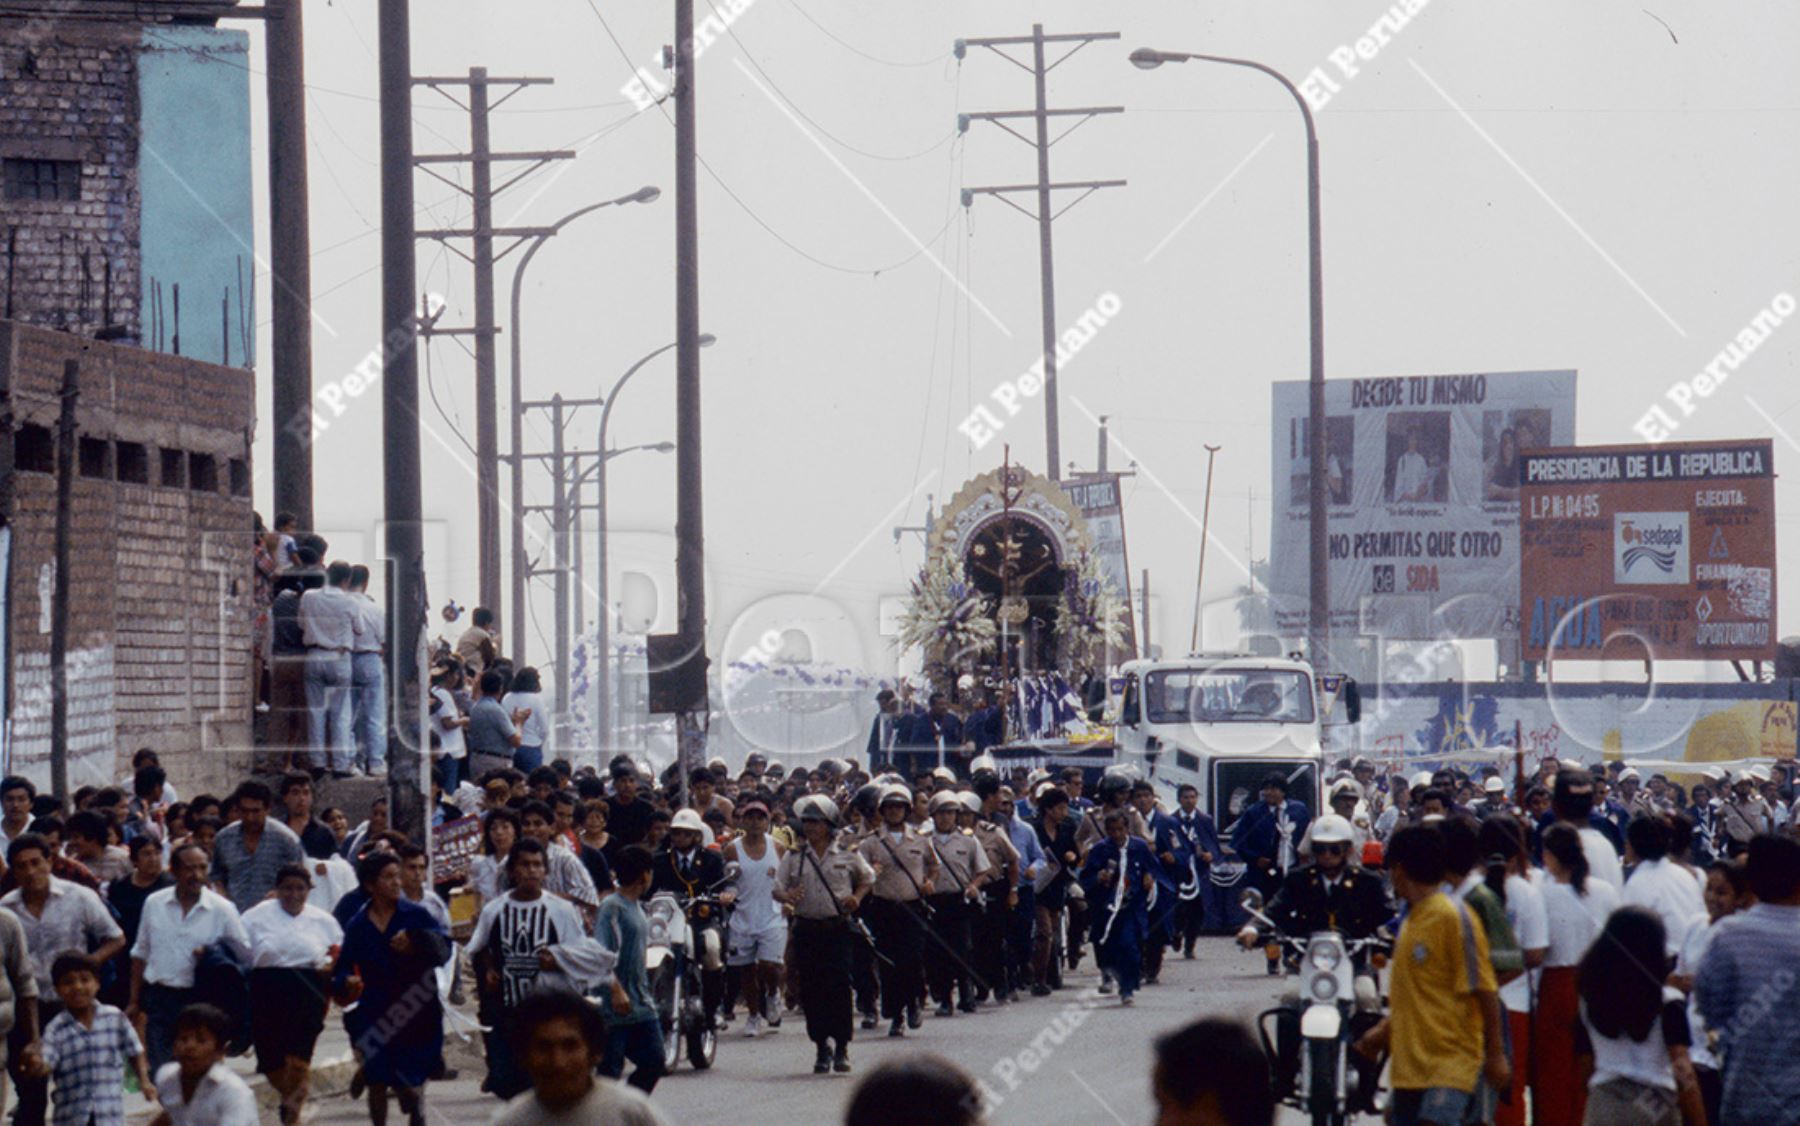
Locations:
(487, 872)
(293, 947)
(526, 694)
(1576, 906)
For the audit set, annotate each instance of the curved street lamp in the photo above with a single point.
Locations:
(1319, 590)
(603, 725)
(646, 194)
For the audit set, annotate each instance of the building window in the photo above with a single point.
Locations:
(34, 449)
(94, 454)
(46, 180)
(174, 469)
(203, 473)
(134, 463)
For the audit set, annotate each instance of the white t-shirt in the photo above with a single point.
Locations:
(1575, 919)
(1602, 858)
(1669, 890)
(221, 1098)
(1693, 952)
(1531, 924)
(336, 881)
(535, 731)
(450, 736)
(278, 939)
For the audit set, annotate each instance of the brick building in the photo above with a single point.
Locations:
(124, 197)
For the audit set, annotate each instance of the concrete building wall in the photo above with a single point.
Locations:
(159, 645)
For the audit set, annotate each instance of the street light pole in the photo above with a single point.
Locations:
(1319, 588)
(603, 717)
(516, 615)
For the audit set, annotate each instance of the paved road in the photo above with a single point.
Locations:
(1098, 1073)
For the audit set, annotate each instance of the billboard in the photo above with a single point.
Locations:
(1097, 495)
(1422, 473)
(1668, 548)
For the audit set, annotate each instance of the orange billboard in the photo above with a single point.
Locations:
(1665, 551)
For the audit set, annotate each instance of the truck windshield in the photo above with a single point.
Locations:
(1228, 696)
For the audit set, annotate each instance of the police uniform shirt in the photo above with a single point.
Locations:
(910, 856)
(1093, 826)
(844, 870)
(1000, 851)
(966, 860)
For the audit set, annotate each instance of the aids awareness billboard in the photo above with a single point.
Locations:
(1665, 550)
(1422, 476)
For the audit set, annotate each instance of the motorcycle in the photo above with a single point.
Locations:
(1310, 1057)
(684, 941)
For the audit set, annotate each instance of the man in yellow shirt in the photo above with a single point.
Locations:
(1442, 991)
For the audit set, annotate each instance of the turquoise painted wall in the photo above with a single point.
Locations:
(195, 184)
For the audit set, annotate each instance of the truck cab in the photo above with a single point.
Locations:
(1223, 722)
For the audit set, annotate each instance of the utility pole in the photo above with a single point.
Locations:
(400, 431)
(290, 260)
(1205, 528)
(59, 604)
(690, 542)
(1146, 587)
(481, 192)
(562, 463)
(1041, 141)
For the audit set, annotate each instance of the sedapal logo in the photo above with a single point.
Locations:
(1650, 547)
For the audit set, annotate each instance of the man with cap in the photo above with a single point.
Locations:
(1742, 814)
(1328, 894)
(824, 885)
(1493, 797)
(906, 872)
(963, 867)
(1373, 796)
(756, 935)
(1267, 836)
(1029, 862)
(1343, 796)
(685, 868)
(1115, 795)
(988, 929)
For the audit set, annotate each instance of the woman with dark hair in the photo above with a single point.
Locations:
(1727, 893)
(500, 830)
(526, 694)
(1575, 904)
(392, 948)
(1633, 1039)
(1503, 478)
(1505, 856)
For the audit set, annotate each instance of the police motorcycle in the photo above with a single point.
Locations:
(1317, 1021)
(684, 941)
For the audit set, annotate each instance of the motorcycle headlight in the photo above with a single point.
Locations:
(658, 934)
(1324, 987)
(1325, 956)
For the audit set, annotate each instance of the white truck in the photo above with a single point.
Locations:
(1223, 722)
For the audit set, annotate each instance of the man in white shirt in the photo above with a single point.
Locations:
(178, 924)
(58, 917)
(16, 796)
(327, 619)
(1573, 803)
(1412, 475)
(368, 686)
(1659, 884)
(561, 1039)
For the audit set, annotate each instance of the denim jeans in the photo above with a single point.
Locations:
(641, 1043)
(369, 683)
(527, 759)
(328, 712)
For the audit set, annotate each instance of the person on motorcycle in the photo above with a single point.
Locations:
(689, 870)
(1330, 894)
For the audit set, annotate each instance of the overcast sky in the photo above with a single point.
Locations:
(1524, 186)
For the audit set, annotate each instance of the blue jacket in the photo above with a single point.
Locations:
(1138, 862)
(1256, 836)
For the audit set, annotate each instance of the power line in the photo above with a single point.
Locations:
(855, 50)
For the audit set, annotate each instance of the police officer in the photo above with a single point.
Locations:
(905, 873)
(964, 867)
(1328, 894)
(1000, 894)
(824, 885)
(865, 815)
